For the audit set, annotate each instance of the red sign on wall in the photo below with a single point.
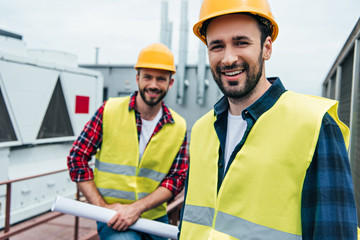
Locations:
(82, 104)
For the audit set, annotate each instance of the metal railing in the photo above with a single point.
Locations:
(8, 232)
(173, 210)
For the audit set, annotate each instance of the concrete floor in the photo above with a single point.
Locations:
(60, 228)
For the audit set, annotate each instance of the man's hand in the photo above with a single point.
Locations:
(127, 215)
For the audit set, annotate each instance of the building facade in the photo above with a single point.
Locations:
(342, 84)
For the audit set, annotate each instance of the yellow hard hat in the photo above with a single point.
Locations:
(215, 8)
(156, 56)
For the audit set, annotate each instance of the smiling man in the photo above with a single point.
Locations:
(140, 147)
(266, 163)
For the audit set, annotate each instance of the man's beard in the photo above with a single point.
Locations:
(152, 102)
(252, 79)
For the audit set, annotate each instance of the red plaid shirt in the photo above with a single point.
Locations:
(90, 141)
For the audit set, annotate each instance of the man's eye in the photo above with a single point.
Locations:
(241, 43)
(216, 47)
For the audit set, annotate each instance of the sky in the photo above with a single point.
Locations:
(311, 32)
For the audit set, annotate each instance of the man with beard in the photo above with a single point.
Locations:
(140, 147)
(266, 163)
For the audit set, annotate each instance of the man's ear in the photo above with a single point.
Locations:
(137, 78)
(171, 82)
(267, 48)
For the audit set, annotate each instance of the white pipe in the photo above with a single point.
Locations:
(183, 48)
(201, 71)
(338, 83)
(101, 214)
(166, 26)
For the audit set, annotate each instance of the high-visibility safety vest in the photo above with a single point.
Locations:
(119, 175)
(260, 196)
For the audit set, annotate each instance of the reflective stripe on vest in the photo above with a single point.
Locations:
(245, 230)
(111, 193)
(118, 174)
(151, 174)
(260, 196)
(199, 215)
(115, 168)
(129, 171)
(233, 226)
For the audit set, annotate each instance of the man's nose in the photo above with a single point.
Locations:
(229, 57)
(153, 83)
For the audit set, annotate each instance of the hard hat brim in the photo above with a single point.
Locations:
(198, 25)
(156, 66)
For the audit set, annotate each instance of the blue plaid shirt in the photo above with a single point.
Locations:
(328, 209)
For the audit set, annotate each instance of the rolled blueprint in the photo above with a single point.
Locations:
(101, 214)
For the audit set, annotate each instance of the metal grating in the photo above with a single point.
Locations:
(346, 86)
(332, 88)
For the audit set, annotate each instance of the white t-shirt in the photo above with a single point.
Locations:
(236, 127)
(147, 129)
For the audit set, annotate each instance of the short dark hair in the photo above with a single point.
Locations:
(265, 26)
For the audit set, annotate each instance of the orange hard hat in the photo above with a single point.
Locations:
(215, 8)
(156, 56)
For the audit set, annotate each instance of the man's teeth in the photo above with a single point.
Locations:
(152, 92)
(234, 73)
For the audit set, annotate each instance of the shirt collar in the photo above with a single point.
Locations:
(166, 111)
(264, 103)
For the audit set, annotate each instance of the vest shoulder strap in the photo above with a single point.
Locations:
(319, 105)
(178, 119)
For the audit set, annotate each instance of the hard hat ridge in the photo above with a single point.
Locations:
(210, 9)
(156, 56)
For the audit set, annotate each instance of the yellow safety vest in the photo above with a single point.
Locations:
(260, 196)
(119, 175)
